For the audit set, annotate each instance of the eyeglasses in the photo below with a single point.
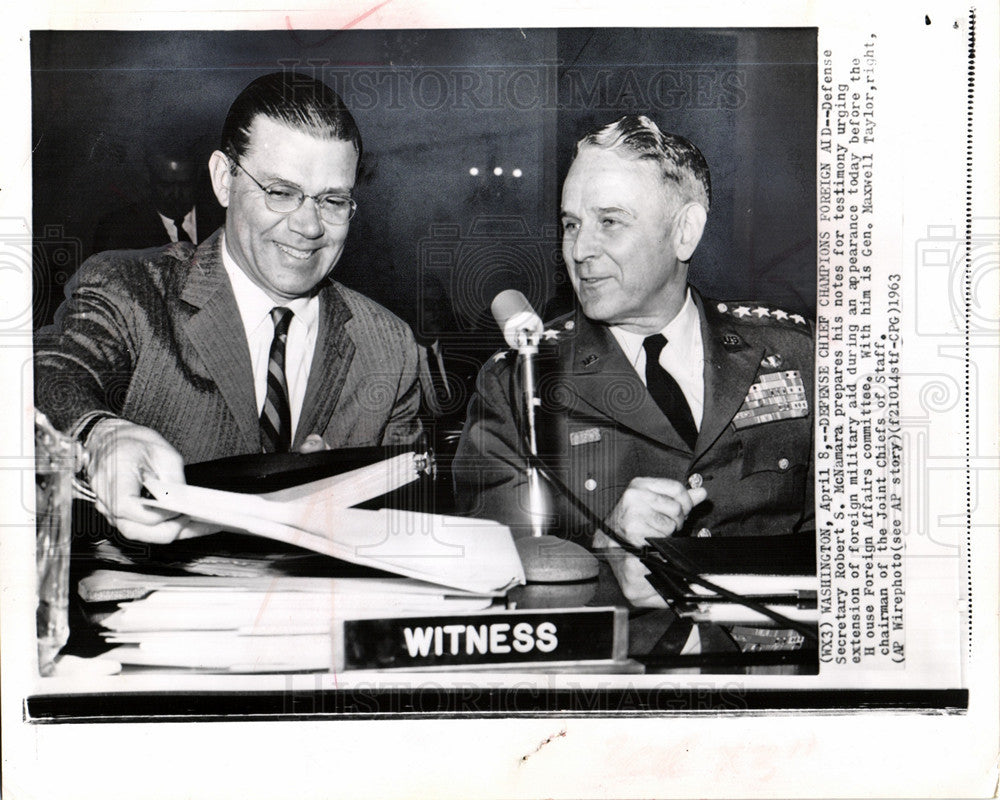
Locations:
(284, 198)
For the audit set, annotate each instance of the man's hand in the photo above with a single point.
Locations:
(120, 454)
(653, 507)
(313, 444)
(648, 507)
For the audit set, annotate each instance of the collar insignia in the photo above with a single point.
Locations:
(732, 341)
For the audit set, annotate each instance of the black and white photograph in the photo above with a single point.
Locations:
(581, 194)
(390, 374)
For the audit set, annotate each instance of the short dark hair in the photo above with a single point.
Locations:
(680, 162)
(294, 99)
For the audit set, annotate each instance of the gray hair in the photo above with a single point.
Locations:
(681, 163)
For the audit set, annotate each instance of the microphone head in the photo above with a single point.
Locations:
(514, 315)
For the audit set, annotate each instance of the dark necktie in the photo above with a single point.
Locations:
(182, 235)
(276, 418)
(666, 392)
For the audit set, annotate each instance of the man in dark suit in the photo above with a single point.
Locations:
(242, 344)
(665, 413)
(178, 208)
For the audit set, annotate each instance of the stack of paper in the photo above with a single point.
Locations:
(243, 619)
(253, 624)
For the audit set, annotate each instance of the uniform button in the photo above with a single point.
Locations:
(590, 484)
(703, 533)
(695, 480)
(782, 463)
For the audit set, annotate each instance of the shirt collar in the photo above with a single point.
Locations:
(680, 332)
(254, 303)
(184, 219)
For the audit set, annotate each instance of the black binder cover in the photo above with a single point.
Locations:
(787, 554)
(268, 472)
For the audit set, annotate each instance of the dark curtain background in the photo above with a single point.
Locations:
(431, 240)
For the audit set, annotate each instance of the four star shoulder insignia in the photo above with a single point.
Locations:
(757, 311)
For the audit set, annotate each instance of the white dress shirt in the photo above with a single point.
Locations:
(683, 356)
(255, 310)
(190, 225)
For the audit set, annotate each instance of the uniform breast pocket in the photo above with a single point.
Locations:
(776, 458)
(596, 471)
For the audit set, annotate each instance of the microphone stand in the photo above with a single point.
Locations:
(556, 564)
(527, 349)
(545, 558)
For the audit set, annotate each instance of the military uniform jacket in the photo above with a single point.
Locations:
(600, 428)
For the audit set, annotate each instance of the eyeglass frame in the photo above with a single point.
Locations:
(302, 197)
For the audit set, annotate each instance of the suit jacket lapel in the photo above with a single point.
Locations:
(216, 332)
(331, 359)
(605, 380)
(729, 373)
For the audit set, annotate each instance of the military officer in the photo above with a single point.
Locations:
(666, 413)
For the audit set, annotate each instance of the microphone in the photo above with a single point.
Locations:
(545, 558)
(522, 328)
(517, 320)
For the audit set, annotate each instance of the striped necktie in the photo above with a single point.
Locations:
(666, 392)
(276, 418)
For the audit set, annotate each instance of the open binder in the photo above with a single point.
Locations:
(462, 553)
(443, 606)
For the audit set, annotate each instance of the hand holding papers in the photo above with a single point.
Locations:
(453, 567)
(472, 555)
(448, 612)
